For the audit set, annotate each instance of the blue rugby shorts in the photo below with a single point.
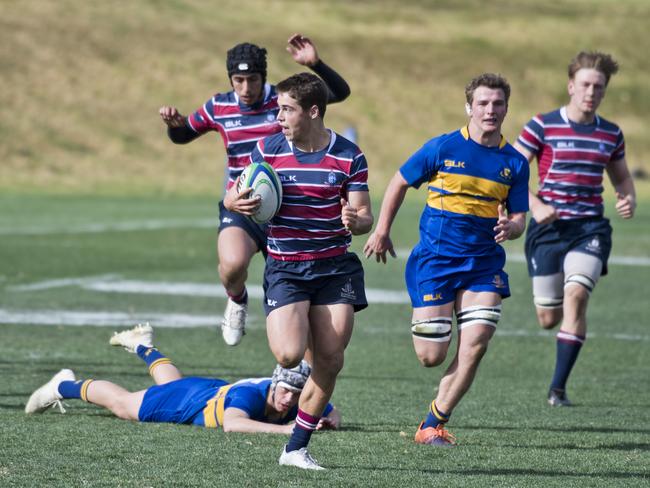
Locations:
(433, 280)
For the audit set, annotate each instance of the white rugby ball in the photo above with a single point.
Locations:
(266, 185)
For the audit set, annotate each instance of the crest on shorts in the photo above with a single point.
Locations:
(348, 291)
(498, 282)
(594, 245)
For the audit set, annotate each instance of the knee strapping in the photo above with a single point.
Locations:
(581, 279)
(435, 329)
(479, 315)
(545, 302)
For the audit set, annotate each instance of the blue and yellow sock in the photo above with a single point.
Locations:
(568, 347)
(152, 357)
(435, 417)
(75, 389)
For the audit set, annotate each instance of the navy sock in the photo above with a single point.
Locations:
(435, 417)
(568, 348)
(305, 426)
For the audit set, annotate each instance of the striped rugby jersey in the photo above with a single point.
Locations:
(571, 159)
(466, 182)
(308, 225)
(240, 126)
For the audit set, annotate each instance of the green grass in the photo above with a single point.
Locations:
(507, 435)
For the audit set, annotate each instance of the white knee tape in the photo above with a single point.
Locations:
(545, 302)
(478, 315)
(437, 329)
(580, 279)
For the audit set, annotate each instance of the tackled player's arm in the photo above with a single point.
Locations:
(236, 420)
(331, 422)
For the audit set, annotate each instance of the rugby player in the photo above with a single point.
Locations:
(267, 405)
(312, 284)
(569, 240)
(477, 198)
(242, 116)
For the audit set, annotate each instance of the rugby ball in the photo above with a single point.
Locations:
(266, 185)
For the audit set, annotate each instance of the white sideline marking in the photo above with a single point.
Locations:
(113, 227)
(109, 283)
(516, 257)
(124, 319)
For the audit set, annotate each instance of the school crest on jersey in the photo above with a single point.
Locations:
(331, 178)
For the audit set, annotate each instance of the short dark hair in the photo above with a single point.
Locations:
(491, 80)
(246, 58)
(307, 89)
(597, 60)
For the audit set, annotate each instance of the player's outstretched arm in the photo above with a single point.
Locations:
(236, 420)
(379, 242)
(621, 178)
(177, 130)
(303, 51)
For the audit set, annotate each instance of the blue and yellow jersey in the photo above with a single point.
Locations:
(466, 183)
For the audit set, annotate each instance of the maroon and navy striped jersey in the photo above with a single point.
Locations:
(308, 225)
(571, 158)
(240, 126)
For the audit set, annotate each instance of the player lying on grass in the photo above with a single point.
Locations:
(265, 405)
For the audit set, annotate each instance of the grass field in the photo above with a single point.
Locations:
(89, 265)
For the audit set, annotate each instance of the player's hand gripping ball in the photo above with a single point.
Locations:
(266, 185)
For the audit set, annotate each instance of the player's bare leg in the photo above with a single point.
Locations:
(287, 329)
(235, 248)
(121, 402)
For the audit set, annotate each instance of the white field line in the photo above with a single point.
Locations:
(125, 319)
(156, 224)
(515, 257)
(136, 225)
(109, 284)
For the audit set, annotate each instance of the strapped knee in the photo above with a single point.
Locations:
(545, 302)
(435, 329)
(580, 279)
(479, 315)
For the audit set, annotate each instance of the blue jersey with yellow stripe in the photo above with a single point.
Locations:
(466, 183)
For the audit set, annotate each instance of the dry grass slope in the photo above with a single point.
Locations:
(82, 81)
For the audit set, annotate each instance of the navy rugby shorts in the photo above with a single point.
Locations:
(319, 281)
(547, 245)
(257, 232)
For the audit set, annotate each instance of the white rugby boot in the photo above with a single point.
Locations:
(132, 338)
(300, 459)
(234, 322)
(48, 394)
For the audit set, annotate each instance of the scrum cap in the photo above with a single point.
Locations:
(293, 379)
(246, 58)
